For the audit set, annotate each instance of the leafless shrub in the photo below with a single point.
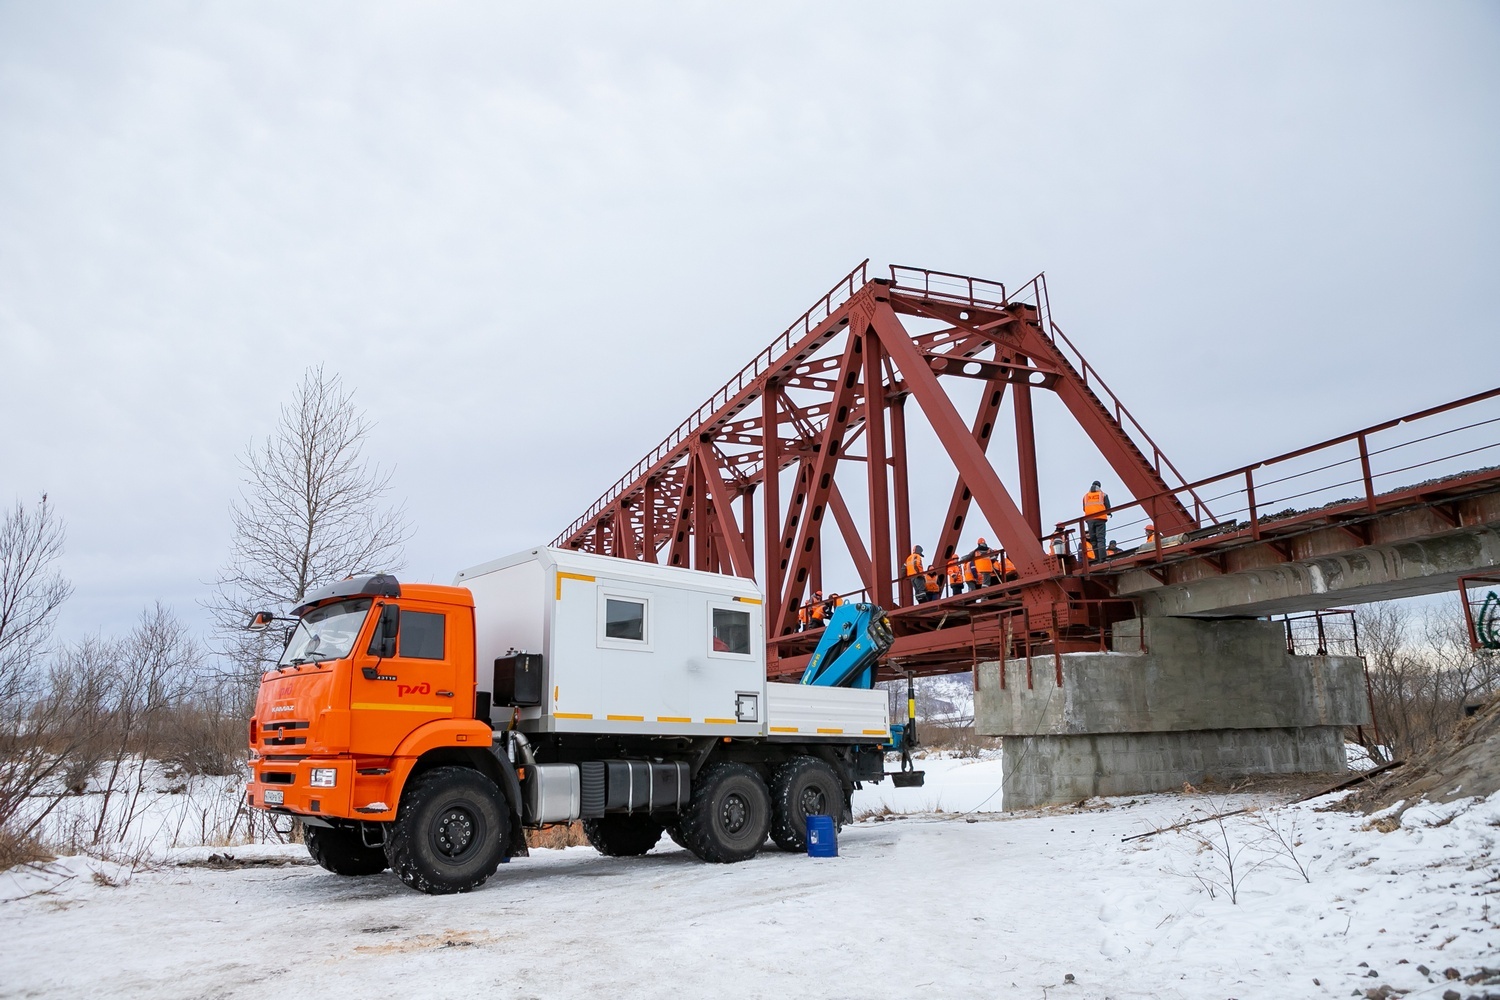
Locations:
(1422, 673)
(1280, 839)
(312, 510)
(1221, 862)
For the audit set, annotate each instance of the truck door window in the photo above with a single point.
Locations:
(731, 631)
(422, 635)
(624, 619)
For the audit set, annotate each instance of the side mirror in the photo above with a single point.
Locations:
(383, 644)
(260, 621)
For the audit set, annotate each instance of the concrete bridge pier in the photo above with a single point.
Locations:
(1209, 697)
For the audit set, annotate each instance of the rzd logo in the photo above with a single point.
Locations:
(402, 690)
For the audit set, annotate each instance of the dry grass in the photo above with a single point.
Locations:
(557, 835)
(20, 850)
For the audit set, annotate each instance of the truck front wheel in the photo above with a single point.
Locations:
(801, 788)
(727, 818)
(343, 852)
(450, 831)
(622, 836)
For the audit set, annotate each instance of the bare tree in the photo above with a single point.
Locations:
(312, 510)
(36, 725)
(31, 591)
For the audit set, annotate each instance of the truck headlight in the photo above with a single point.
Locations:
(323, 777)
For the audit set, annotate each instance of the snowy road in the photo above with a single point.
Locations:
(931, 905)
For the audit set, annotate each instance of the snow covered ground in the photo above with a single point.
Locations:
(960, 902)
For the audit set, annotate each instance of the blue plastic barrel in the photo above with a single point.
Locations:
(822, 838)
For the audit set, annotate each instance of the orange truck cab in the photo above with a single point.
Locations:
(629, 696)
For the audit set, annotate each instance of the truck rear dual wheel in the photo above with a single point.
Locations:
(343, 852)
(803, 787)
(622, 836)
(727, 818)
(450, 831)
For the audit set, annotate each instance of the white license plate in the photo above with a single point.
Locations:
(275, 796)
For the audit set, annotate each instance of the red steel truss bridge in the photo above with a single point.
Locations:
(749, 484)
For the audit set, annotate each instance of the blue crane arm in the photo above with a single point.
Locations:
(853, 641)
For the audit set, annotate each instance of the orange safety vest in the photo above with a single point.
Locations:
(1010, 567)
(969, 575)
(955, 572)
(1093, 506)
(932, 579)
(983, 563)
(1088, 549)
(913, 565)
(818, 611)
(804, 614)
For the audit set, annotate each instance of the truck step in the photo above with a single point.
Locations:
(907, 779)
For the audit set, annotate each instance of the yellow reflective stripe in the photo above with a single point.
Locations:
(877, 732)
(673, 718)
(839, 731)
(783, 729)
(572, 715)
(379, 707)
(749, 600)
(561, 576)
(722, 722)
(626, 718)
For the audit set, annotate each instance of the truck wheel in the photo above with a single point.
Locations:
(343, 852)
(801, 788)
(450, 831)
(622, 836)
(727, 817)
(674, 830)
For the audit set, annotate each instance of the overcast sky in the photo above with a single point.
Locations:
(534, 241)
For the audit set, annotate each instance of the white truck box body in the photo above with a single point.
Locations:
(674, 680)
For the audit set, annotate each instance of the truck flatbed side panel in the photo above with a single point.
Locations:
(796, 711)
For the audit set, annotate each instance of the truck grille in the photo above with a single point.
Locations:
(279, 734)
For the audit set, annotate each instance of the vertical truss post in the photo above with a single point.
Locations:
(702, 527)
(770, 422)
(728, 540)
(901, 485)
(879, 577)
(747, 535)
(1031, 497)
(648, 520)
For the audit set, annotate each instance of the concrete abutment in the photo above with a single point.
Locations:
(1215, 698)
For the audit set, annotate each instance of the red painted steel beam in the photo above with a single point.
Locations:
(982, 431)
(712, 475)
(804, 553)
(1004, 516)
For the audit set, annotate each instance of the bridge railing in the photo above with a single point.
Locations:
(800, 328)
(1342, 479)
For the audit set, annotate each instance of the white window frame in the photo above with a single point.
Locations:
(636, 597)
(743, 609)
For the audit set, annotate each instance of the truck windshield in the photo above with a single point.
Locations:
(326, 633)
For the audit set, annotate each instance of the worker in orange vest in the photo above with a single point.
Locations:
(1150, 534)
(817, 610)
(971, 577)
(984, 564)
(1096, 515)
(955, 576)
(1057, 547)
(1086, 551)
(1007, 568)
(914, 570)
(834, 600)
(932, 582)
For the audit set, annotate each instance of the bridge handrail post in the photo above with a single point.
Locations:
(1250, 496)
(1364, 466)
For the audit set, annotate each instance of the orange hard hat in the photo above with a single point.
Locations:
(983, 542)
